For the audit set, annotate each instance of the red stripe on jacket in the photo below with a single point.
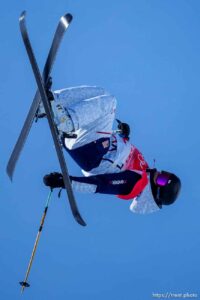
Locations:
(137, 189)
(136, 161)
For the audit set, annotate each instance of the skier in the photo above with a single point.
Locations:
(110, 164)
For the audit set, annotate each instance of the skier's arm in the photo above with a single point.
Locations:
(115, 183)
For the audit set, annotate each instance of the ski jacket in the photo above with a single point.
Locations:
(112, 155)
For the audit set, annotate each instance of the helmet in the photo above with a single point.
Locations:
(165, 187)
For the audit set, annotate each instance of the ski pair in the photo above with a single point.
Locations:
(41, 96)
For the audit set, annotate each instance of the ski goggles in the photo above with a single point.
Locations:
(159, 182)
(162, 179)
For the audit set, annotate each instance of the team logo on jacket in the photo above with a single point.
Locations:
(116, 182)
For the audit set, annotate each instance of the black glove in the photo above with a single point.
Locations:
(124, 129)
(54, 180)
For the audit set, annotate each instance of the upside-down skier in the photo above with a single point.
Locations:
(110, 164)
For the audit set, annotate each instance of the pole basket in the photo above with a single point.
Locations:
(24, 284)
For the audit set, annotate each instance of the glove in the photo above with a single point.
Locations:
(124, 129)
(54, 180)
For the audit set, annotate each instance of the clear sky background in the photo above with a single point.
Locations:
(147, 53)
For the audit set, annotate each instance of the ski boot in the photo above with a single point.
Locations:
(63, 121)
(41, 112)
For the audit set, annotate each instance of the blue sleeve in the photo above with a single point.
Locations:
(115, 183)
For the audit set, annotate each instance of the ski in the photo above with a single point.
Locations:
(59, 33)
(49, 113)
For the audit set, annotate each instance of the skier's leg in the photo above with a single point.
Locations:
(77, 94)
(79, 105)
(92, 118)
(68, 96)
(89, 111)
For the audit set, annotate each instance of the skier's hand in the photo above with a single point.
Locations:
(54, 180)
(124, 129)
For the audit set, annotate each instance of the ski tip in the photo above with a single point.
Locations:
(24, 284)
(10, 169)
(22, 16)
(10, 175)
(80, 220)
(66, 19)
(69, 17)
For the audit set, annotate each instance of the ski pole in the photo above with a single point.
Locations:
(25, 283)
